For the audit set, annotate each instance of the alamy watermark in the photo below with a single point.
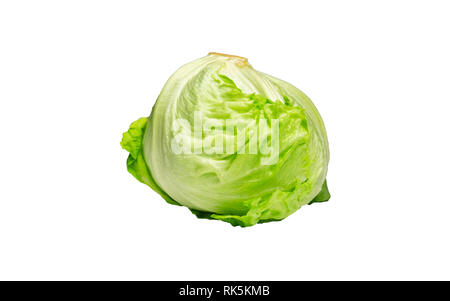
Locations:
(229, 136)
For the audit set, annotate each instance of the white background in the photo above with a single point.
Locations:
(75, 74)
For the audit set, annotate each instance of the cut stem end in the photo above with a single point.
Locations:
(241, 61)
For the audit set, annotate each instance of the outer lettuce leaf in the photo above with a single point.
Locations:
(132, 142)
(323, 196)
(256, 215)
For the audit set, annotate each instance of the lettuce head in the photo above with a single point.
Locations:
(231, 143)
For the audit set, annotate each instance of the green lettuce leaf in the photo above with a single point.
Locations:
(323, 196)
(132, 142)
